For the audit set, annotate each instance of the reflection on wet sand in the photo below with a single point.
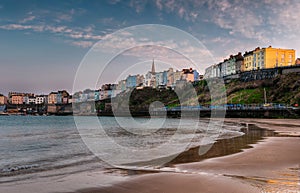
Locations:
(285, 182)
(253, 134)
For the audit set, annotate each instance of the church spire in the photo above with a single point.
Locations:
(153, 67)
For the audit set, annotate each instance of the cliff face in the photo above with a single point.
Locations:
(286, 89)
(141, 99)
(281, 89)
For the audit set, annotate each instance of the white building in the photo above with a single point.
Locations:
(40, 99)
(31, 100)
(231, 67)
(150, 79)
(224, 68)
(159, 77)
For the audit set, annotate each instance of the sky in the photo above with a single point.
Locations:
(43, 43)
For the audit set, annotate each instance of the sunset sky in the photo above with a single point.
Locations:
(43, 42)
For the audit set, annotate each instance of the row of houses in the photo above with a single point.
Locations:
(167, 78)
(106, 91)
(259, 58)
(59, 97)
(17, 98)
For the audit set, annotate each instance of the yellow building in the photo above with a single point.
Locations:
(262, 58)
(248, 61)
(276, 57)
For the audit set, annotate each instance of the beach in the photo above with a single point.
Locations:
(263, 162)
(272, 165)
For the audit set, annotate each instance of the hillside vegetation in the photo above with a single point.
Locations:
(281, 89)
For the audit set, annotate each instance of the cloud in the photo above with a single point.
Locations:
(181, 12)
(58, 29)
(55, 15)
(263, 22)
(27, 19)
(159, 4)
(83, 44)
(66, 15)
(159, 45)
(51, 21)
(113, 1)
(89, 29)
(79, 33)
(187, 9)
(37, 28)
(238, 18)
(107, 20)
(170, 4)
(138, 5)
(284, 21)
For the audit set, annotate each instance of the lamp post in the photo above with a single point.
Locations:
(265, 96)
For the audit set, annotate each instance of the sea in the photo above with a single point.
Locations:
(42, 146)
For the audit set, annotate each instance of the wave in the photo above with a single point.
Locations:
(18, 168)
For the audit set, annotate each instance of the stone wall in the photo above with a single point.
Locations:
(262, 74)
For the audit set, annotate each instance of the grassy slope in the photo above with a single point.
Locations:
(282, 89)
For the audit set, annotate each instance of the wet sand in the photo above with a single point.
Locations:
(272, 165)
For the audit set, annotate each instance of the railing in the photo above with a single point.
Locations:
(270, 106)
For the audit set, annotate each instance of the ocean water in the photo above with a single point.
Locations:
(37, 146)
